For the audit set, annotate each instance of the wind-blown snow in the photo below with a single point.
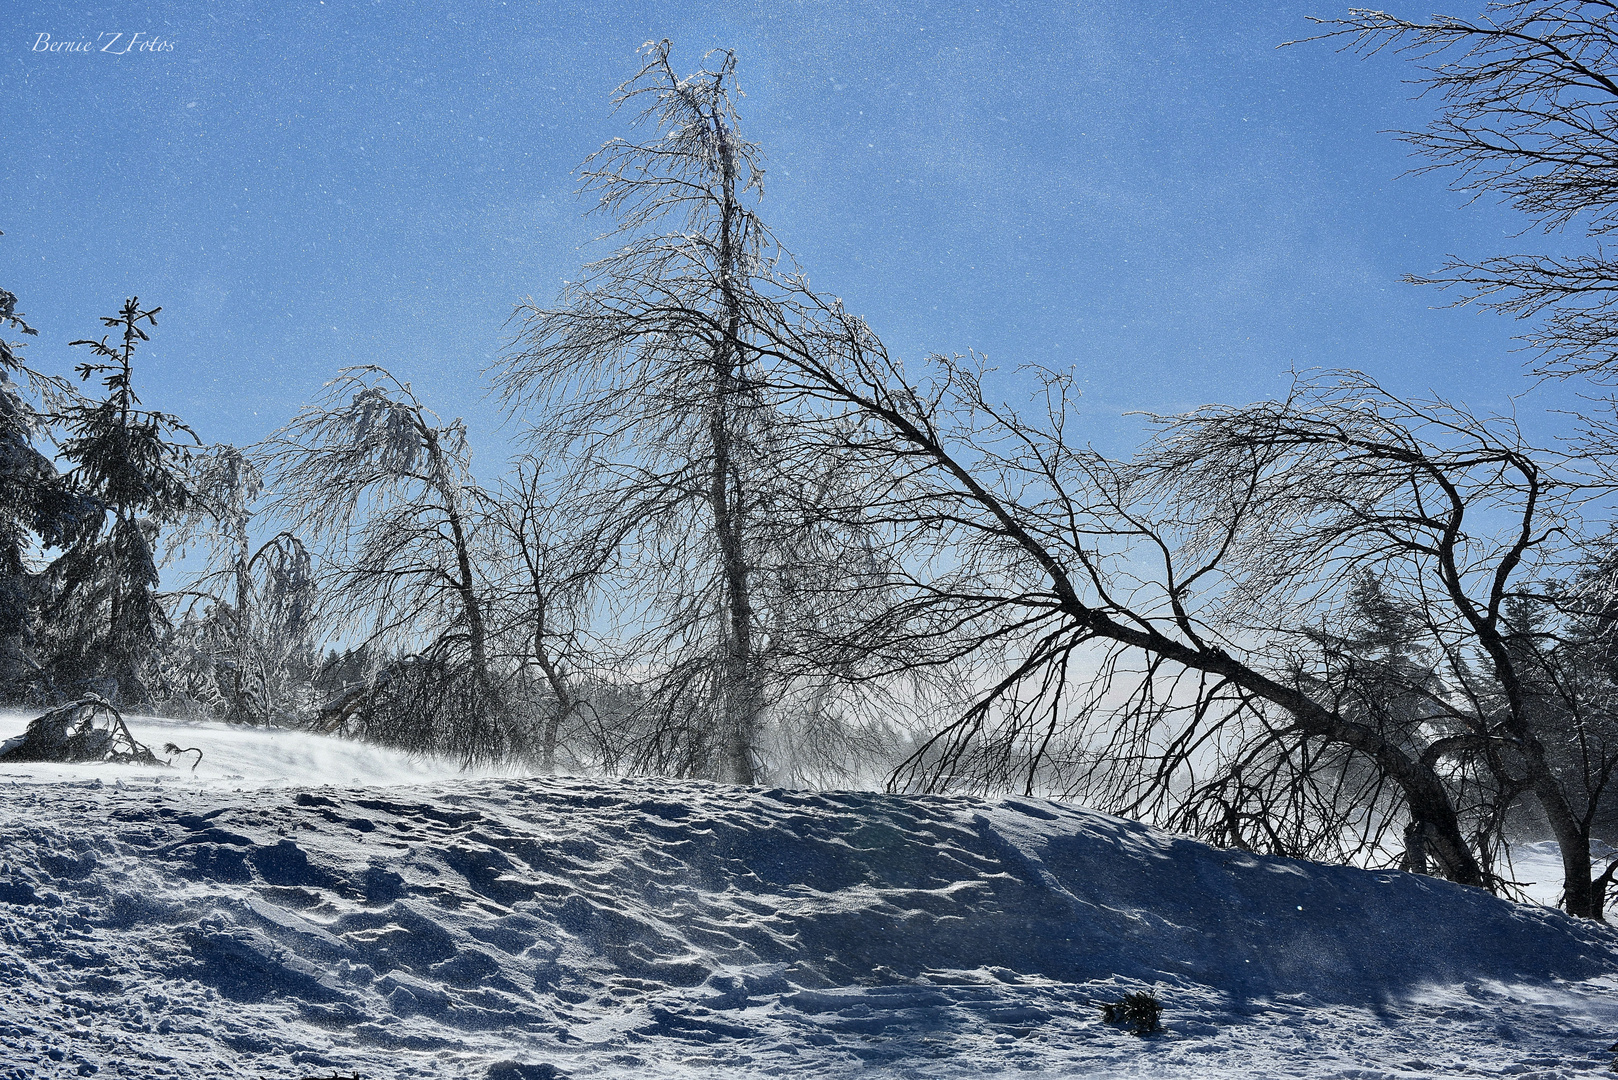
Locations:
(244, 757)
(652, 928)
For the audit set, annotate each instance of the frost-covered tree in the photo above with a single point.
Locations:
(252, 642)
(644, 399)
(655, 410)
(1157, 622)
(107, 622)
(35, 503)
(384, 488)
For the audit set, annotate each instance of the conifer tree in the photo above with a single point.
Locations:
(130, 462)
(36, 504)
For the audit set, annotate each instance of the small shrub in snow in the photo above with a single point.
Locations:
(89, 729)
(1138, 1011)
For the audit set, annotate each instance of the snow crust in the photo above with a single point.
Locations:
(502, 927)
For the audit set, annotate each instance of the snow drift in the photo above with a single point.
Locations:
(180, 928)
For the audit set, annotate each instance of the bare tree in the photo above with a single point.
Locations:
(385, 485)
(1167, 617)
(639, 394)
(1527, 108)
(256, 631)
(1468, 527)
(545, 582)
(1254, 519)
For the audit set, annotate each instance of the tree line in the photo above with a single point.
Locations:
(741, 541)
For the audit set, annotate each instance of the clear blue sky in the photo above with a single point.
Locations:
(1150, 191)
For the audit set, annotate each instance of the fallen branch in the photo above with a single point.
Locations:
(171, 748)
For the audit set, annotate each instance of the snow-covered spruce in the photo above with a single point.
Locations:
(156, 923)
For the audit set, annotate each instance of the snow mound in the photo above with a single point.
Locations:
(510, 927)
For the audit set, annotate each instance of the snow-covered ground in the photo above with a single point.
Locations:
(299, 907)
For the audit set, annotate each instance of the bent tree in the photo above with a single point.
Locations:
(384, 486)
(1155, 617)
(1216, 559)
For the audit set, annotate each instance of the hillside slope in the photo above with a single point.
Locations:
(641, 928)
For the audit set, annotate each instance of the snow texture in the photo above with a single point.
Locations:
(392, 918)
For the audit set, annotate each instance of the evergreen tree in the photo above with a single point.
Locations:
(36, 504)
(108, 622)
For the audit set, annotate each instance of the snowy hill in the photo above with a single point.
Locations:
(224, 923)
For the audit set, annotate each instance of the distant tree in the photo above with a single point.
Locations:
(1527, 102)
(384, 486)
(254, 639)
(107, 622)
(1282, 792)
(545, 582)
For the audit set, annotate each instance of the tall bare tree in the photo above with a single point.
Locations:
(639, 392)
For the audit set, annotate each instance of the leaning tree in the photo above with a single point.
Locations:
(383, 486)
(1163, 627)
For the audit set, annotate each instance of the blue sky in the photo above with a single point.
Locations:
(1152, 192)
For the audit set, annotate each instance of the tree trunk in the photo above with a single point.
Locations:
(740, 693)
(1573, 838)
(471, 608)
(471, 605)
(565, 702)
(241, 711)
